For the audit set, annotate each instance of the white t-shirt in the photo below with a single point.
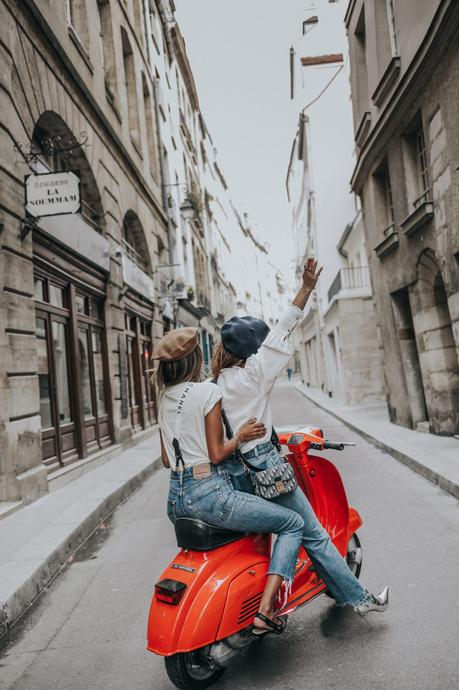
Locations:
(200, 399)
(246, 389)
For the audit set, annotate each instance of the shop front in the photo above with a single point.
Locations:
(71, 265)
(74, 382)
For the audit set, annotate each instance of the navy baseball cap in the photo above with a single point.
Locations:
(243, 335)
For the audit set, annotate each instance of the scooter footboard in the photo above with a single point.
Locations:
(198, 619)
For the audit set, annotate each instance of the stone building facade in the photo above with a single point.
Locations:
(79, 308)
(405, 89)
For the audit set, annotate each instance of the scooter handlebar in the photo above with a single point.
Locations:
(339, 445)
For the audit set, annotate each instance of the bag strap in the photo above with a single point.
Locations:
(179, 461)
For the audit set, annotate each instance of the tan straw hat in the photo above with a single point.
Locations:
(176, 344)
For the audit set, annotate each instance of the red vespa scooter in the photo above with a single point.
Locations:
(203, 607)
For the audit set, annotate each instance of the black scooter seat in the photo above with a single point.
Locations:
(199, 536)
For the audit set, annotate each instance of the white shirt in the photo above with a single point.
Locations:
(200, 399)
(246, 389)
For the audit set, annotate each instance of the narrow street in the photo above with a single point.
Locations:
(88, 630)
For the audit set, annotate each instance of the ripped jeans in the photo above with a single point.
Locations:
(325, 558)
(215, 501)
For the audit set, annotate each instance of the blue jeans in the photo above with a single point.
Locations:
(215, 501)
(326, 559)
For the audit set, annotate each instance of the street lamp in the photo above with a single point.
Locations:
(187, 209)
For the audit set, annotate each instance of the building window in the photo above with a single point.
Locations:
(139, 20)
(134, 242)
(150, 124)
(108, 48)
(360, 62)
(51, 140)
(415, 163)
(385, 33)
(384, 203)
(421, 162)
(72, 373)
(77, 20)
(130, 88)
(154, 26)
(141, 392)
(392, 26)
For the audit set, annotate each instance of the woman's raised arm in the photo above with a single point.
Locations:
(274, 353)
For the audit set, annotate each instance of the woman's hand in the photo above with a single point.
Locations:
(251, 430)
(310, 278)
(310, 274)
(218, 448)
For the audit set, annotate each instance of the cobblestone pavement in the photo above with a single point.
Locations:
(88, 630)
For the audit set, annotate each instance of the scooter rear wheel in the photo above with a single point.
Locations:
(191, 671)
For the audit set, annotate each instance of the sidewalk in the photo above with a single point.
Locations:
(36, 540)
(435, 457)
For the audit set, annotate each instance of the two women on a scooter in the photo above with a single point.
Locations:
(246, 365)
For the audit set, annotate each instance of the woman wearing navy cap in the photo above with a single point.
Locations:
(246, 365)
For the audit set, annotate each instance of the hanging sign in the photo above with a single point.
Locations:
(50, 194)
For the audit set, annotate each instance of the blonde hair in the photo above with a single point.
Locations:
(222, 359)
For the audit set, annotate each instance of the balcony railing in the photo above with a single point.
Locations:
(136, 257)
(349, 279)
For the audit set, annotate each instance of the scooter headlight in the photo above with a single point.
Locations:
(169, 591)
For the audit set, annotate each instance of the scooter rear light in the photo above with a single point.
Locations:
(169, 591)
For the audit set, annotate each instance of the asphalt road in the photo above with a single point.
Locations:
(88, 630)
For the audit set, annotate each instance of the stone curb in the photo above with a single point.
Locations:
(16, 605)
(436, 478)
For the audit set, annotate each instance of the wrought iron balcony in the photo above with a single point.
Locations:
(349, 279)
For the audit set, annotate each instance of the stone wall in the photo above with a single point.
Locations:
(41, 74)
(416, 283)
(361, 352)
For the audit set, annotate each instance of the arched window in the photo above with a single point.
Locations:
(135, 243)
(150, 124)
(58, 151)
(131, 88)
(108, 50)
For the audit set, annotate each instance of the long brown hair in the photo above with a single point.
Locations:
(222, 359)
(189, 368)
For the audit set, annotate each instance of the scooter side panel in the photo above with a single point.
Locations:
(323, 486)
(195, 621)
(243, 600)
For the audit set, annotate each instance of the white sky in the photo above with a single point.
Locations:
(239, 53)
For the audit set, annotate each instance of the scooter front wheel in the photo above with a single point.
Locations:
(192, 671)
(353, 558)
(354, 555)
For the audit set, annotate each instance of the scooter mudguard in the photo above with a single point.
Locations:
(355, 522)
(196, 621)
